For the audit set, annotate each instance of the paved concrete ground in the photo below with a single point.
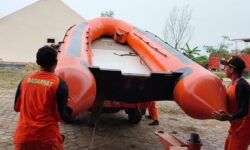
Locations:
(115, 133)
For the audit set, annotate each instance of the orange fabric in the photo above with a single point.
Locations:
(232, 104)
(239, 131)
(120, 36)
(153, 111)
(238, 135)
(52, 144)
(37, 104)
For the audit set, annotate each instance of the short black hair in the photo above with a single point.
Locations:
(46, 56)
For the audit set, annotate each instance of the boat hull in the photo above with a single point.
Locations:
(197, 91)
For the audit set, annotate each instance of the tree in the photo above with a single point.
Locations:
(109, 13)
(190, 52)
(177, 29)
(246, 51)
(202, 60)
(220, 51)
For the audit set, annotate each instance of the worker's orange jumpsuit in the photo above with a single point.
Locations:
(37, 127)
(153, 111)
(239, 132)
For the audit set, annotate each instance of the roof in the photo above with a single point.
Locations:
(242, 39)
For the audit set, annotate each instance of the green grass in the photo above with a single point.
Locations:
(11, 77)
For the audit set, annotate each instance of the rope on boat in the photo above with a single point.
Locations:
(156, 49)
(127, 54)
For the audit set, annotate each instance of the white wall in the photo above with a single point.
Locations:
(24, 31)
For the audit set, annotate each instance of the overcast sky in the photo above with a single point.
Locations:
(211, 19)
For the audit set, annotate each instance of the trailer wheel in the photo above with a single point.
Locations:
(134, 115)
(143, 111)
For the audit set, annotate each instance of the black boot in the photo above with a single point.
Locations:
(155, 122)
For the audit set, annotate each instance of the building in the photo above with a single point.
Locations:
(24, 31)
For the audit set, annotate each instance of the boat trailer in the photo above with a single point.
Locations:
(171, 142)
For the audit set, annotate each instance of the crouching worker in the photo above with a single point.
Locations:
(41, 98)
(153, 114)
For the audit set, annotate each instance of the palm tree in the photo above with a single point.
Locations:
(190, 52)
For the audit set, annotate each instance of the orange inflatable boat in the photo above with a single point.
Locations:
(172, 75)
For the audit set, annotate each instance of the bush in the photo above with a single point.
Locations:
(31, 67)
(246, 75)
(220, 74)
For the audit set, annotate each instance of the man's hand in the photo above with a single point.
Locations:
(221, 115)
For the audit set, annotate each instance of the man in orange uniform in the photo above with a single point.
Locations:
(153, 113)
(41, 98)
(238, 106)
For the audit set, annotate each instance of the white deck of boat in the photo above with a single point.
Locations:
(106, 55)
